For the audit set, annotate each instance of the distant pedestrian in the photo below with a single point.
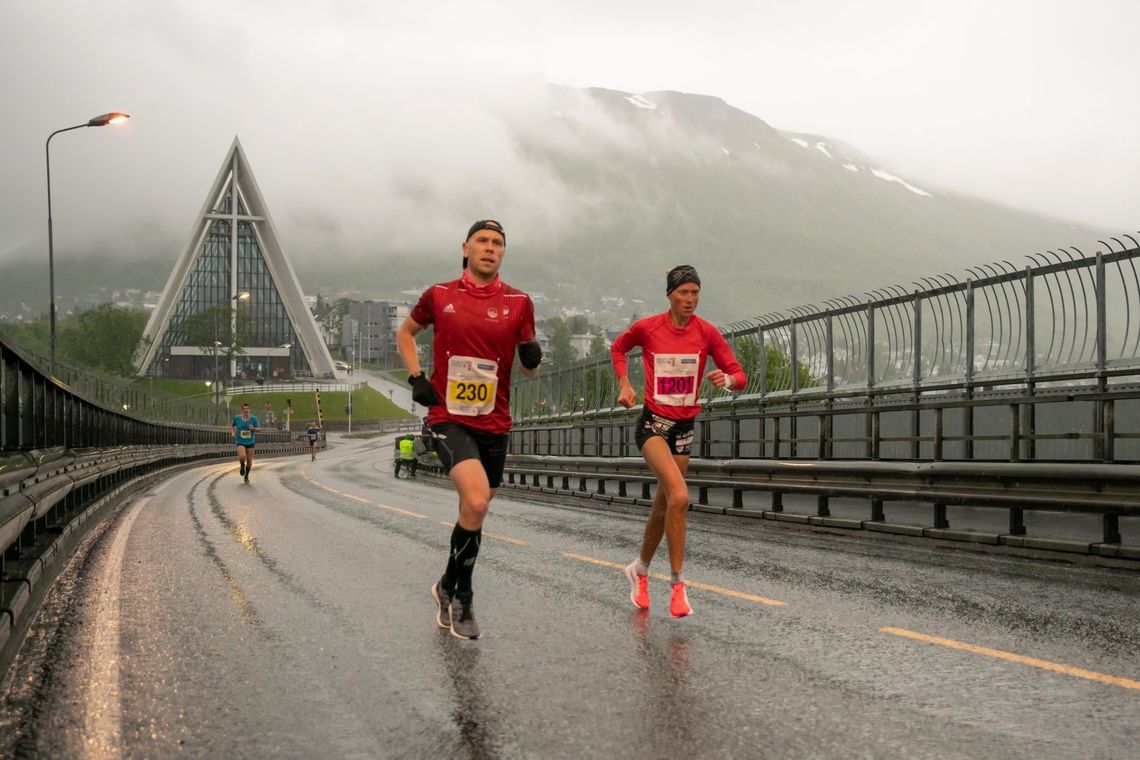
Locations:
(313, 431)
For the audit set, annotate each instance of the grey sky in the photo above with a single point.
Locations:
(351, 111)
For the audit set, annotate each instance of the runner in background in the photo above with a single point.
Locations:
(674, 347)
(244, 427)
(314, 434)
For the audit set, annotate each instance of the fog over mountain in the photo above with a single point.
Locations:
(600, 191)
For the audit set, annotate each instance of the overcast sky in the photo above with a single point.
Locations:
(1030, 103)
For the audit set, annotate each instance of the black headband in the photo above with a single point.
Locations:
(679, 275)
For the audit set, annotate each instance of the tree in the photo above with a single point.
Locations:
(104, 337)
(561, 352)
(334, 317)
(778, 377)
(214, 325)
(599, 351)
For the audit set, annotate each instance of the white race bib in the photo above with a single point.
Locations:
(675, 379)
(471, 385)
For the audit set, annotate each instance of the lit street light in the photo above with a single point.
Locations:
(218, 344)
(98, 121)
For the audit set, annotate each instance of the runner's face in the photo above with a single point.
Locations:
(484, 252)
(684, 299)
(245, 412)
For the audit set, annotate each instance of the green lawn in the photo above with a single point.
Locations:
(171, 387)
(368, 404)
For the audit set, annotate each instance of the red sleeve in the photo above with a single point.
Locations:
(424, 311)
(626, 341)
(725, 360)
(526, 326)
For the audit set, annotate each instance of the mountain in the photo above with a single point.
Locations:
(771, 219)
(636, 183)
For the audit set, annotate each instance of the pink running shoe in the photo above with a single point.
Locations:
(679, 604)
(638, 587)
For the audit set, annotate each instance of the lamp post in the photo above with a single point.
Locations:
(99, 121)
(234, 299)
(218, 343)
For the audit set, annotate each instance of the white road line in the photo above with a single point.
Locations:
(103, 704)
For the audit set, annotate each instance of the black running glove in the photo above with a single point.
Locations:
(423, 392)
(530, 354)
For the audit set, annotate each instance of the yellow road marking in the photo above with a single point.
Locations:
(1068, 670)
(508, 539)
(690, 584)
(388, 507)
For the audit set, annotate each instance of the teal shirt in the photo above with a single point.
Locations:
(246, 435)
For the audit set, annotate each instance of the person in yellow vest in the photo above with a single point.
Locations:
(407, 456)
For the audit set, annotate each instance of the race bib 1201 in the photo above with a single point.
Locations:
(675, 379)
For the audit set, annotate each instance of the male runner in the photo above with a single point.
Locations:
(479, 321)
(314, 433)
(674, 347)
(245, 427)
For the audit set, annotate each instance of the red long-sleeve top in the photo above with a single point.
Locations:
(674, 359)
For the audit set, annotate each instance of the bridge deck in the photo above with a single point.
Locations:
(292, 617)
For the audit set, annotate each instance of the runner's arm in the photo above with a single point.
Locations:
(627, 396)
(729, 374)
(406, 345)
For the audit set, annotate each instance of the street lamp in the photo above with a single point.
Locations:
(218, 344)
(243, 296)
(99, 121)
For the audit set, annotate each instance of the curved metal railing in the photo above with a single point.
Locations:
(1063, 316)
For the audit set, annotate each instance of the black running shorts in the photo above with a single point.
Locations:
(455, 443)
(677, 433)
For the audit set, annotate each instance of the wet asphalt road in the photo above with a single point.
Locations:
(291, 618)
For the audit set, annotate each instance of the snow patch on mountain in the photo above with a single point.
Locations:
(640, 101)
(892, 178)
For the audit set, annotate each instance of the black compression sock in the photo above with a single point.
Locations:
(461, 561)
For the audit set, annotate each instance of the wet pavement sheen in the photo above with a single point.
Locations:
(291, 618)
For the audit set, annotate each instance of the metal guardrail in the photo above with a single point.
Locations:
(1109, 491)
(110, 393)
(247, 388)
(1064, 318)
(1058, 424)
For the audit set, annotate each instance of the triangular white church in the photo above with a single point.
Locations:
(232, 268)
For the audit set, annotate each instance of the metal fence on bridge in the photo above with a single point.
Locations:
(1020, 364)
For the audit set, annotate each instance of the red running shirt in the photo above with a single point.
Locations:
(674, 359)
(476, 332)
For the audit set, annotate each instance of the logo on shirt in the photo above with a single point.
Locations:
(492, 313)
(449, 309)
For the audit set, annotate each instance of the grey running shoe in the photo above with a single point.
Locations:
(442, 604)
(247, 477)
(463, 625)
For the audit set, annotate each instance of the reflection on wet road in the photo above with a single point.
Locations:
(291, 617)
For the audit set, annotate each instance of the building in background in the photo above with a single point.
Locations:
(368, 333)
(233, 307)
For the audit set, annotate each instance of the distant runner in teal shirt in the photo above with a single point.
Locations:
(245, 436)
